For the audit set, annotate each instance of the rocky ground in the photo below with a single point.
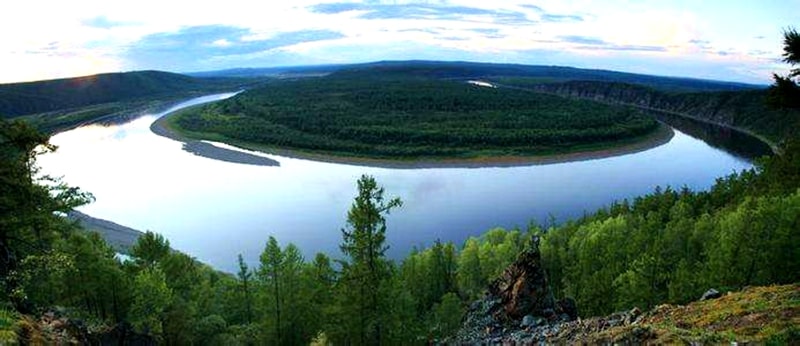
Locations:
(518, 309)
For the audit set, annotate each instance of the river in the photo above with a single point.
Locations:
(214, 210)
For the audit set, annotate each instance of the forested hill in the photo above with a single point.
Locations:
(44, 96)
(743, 109)
(466, 70)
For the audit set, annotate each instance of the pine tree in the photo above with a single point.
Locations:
(245, 277)
(270, 273)
(366, 268)
(785, 93)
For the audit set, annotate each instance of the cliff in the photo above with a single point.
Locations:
(745, 110)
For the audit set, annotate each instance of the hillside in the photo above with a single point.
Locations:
(44, 96)
(760, 315)
(476, 70)
(745, 109)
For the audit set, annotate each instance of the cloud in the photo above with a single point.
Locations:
(88, 36)
(193, 48)
(532, 7)
(423, 11)
(583, 40)
(593, 43)
(561, 18)
(102, 22)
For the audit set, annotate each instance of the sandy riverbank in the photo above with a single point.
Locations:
(208, 150)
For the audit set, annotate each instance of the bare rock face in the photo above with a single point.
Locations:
(519, 300)
(522, 289)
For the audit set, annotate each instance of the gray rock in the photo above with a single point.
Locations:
(711, 294)
(528, 320)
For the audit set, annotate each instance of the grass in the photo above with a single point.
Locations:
(768, 314)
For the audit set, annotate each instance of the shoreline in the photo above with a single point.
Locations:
(207, 150)
(660, 136)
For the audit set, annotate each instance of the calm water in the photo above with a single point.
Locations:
(215, 210)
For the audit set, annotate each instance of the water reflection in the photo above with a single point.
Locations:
(215, 210)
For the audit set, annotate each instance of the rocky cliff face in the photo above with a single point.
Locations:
(720, 109)
(745, 110)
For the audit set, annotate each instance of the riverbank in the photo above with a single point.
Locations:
(166, 128)
(208, 150)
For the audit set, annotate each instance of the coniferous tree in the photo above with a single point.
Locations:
(785, 93)
(245, 276)
(270, 274)
(366, 268)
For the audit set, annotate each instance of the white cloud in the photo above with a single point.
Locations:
(48, 39)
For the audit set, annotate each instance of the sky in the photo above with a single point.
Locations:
(733, 40)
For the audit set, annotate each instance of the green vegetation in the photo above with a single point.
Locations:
(410, 118)
(762, 315)
(785, 93)
(55, 105)
(747, 110)
(668, 246)
(44, 96)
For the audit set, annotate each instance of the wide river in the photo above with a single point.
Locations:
(214, 210)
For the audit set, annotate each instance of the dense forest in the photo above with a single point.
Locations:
(668, 246)
(56, 105)
(407, 117)
(748, 110)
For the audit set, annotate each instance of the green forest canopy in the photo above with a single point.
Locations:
(405, 117)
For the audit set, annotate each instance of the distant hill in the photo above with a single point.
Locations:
(19, 99)
(283, 71)
(464, 70)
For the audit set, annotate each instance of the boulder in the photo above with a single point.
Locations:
(711, 294)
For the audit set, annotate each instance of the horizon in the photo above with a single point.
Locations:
(345, 65)
(705, 40)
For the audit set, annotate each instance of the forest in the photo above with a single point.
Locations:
(749, 110)
(409, 117)
(668, 246)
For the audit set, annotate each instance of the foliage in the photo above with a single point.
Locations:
(366, 270)
(402, 117)
(8, 326)
(785, 93)
(44, 96)
(670, 246)
(151, 297)
(29, 205)
(744, 109)
(150, 248)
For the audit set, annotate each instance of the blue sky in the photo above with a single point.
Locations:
(726, 40)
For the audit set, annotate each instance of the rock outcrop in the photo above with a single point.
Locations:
(519, 300)
(522, 289)
(54, 327)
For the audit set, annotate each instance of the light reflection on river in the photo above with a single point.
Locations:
(215, 210)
